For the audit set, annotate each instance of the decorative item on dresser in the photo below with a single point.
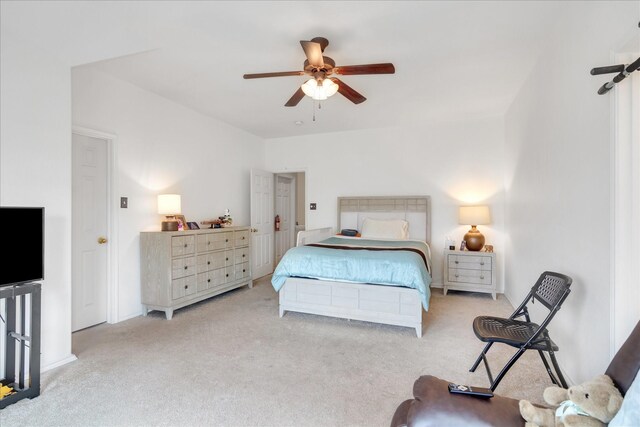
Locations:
(474, 216)
(470, 271)
(169, 205)
(184, 267)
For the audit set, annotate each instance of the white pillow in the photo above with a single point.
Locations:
(629, 413)
(385, 228)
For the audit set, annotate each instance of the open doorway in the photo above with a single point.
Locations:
(278, 213)
(289, 203)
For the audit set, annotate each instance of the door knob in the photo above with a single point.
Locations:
(102, 240)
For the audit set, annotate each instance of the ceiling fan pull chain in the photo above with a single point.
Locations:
(314, 110)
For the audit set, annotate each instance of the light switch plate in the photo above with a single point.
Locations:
(124, 202)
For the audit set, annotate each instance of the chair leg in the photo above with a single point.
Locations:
(559, 380)
(552, 355)
(504, 370)
(475, 365)
(548, 368)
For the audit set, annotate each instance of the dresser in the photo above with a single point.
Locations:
(470, 271)
(179, 268)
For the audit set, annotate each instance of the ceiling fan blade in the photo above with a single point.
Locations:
(348, 92)
(279, 74)
(313, 51)
(297, 97)
(348, 70)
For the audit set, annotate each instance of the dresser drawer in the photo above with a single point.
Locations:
(241, 238)
(183, 287)
(215, 241)
(478, 277)
(470, 262)
(241, 255)
(211, 261)
(182, 245)
(182, 267)
(229, 274)
(242, 270)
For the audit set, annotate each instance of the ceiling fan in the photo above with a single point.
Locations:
(320, 68)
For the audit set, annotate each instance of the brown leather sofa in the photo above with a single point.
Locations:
(433, 405)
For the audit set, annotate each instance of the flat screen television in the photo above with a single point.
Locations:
(22, 237)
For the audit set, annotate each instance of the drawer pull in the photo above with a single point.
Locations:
(185, 267)
(243, 255)
(208, 262)
(185, 245)
(208, 243)
(186, 286)
(227, 274)
(227, 259)
(243, 270)
(208, 280)
(457, 275)
(482, 277)
(482, 263)
(226, 240)
(242, 237)
(457, 262)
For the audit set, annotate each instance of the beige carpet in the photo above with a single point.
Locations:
(232, 361)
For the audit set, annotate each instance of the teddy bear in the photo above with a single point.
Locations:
(593, 403)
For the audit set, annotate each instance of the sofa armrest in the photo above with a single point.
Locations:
(435, 406)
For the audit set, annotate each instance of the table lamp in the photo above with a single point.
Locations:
(473, 216)
(169, 205)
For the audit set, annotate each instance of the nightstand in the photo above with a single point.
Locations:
(470, 271)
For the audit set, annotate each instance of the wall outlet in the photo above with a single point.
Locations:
(312, 206)
(124, 202)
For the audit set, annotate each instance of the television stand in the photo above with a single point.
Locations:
(22, 375)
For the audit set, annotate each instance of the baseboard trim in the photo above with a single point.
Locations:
(129, 316)
(68, 359)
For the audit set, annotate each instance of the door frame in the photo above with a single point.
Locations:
(624, 204)
(112, 218)
(292, 203)
(292, 173)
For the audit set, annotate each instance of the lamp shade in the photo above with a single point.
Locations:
(474, 215)
(169, 204)
(319, 90)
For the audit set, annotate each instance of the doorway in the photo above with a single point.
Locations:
(91, 226)
(277, 215)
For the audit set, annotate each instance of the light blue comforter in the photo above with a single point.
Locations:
(382, 267)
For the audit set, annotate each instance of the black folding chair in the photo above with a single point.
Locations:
(550, 290)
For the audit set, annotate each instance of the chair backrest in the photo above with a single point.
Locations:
(551, 289)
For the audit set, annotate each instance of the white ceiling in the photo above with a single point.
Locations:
(453, 60)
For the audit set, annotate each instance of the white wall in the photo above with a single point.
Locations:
(163, 147)
(558, 178)
(454, 163)
(35, 170)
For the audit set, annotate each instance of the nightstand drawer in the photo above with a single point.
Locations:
(477, 277)
(470, 262)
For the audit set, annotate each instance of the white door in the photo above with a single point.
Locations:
(89, 228)
(284, 194)
(261, 223)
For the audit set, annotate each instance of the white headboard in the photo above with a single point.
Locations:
(416, 210)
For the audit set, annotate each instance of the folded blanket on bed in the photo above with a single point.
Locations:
(381, 262)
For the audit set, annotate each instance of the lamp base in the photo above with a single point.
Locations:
(169, 226)
(474, 240)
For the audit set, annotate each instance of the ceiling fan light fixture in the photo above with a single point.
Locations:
(319, 89)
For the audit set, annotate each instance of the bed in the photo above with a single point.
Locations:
(310, 276)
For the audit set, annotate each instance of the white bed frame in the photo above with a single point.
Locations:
(390, 305)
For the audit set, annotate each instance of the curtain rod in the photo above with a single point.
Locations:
(621, 69)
